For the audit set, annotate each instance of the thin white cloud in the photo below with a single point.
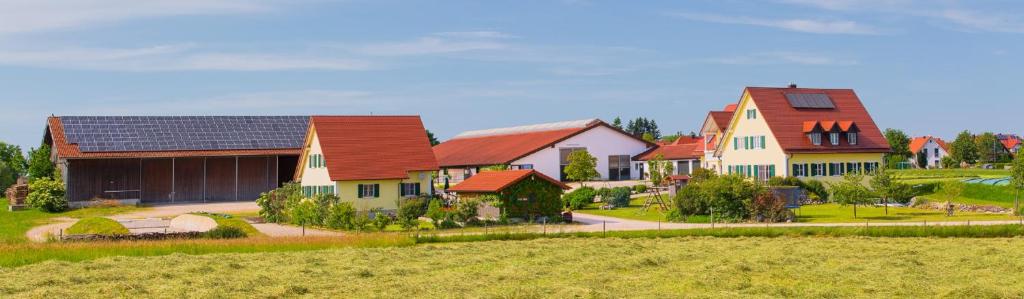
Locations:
(984, 21)
(438, 43)
(949, 12)
(475, 34)
(782, 57)
(852, 4)
(184, 57)
(26, 16)
(798, 25)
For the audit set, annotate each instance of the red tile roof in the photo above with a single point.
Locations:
(506, 148)
(730, 108)
(917, 143)
(67, 150)
(495, 181)
(373, 147)
(788, 123)
(673, 152)
(722, 118)
(1010, 143)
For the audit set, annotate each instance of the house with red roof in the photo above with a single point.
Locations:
(1012, 143)
(370, 161)
(541, 147)
(524, 193)
(800, 132)
(713, 129)
(684, 154)
(929, 149)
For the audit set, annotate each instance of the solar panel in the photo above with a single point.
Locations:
(810, 100)
(173, 133)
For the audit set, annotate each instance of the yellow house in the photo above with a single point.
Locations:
(799, 132)
(370, 161)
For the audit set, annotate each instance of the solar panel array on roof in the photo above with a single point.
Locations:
(178, 133)
(810, 100)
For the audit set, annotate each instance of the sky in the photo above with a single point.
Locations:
(931, 67)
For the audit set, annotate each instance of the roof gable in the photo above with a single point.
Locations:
(496, 181)
(373, 147)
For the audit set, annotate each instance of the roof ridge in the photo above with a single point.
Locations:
(542, 127)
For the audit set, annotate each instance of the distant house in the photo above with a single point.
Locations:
(174, 159)
(1012, 143)
(933, 149)
(370, 161)
(541, 147)
(684, 154)
(800, 132)
(524, 193)
(713, 130)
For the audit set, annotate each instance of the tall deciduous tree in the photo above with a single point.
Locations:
(990, 150)
(659, 170)
(899, 142)
(851, 191)
(1017, 181)
(11, 156)
(963, 148)
(582, 166)
(886, 187)
(39, 164)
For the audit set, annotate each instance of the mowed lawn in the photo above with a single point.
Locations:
(834, 213)
(14, 225)
(634, 211)
(558, 268)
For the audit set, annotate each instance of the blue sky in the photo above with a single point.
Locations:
(928, 67)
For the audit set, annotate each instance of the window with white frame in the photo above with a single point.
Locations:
(800, 170)
(833, 138)
(410, 189)
(851, 137)
(815, 138)
(369, 190)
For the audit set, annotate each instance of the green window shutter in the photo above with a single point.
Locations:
(735, 143)
(755, 171)
(376, 190)
(359, 191)
(417, 191)
(771, 170)
(401, 189)
(763, 145)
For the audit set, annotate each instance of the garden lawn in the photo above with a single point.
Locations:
(632, 212)
(234, 221)
(981, 194)
(558, 268)
(834, 213)
(14, 225)
(97, 226)
(949, 173)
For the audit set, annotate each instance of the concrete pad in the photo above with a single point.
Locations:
(191, 223)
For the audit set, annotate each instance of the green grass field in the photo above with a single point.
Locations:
(236, 222)
(97, 226)
(558, 268)
(13, 225)
(834, 213)
(634, 211)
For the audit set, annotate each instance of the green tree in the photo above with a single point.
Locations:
(11, 156)
(1017, 181)
(659, 170)
(886, 187)
(648, 137)
(617, 122)
(39, 164)
(963, 148)
(433, 140)
(582, 167)
(990, 150)
(922, 160)
(851, 191)
(899, 143)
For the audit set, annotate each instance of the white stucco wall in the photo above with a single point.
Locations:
(600, 142)
(934, 161)
(314, 176)
(741, 127)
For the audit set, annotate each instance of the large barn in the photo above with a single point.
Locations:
(174, 159)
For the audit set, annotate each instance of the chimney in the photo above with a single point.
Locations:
(792, 85)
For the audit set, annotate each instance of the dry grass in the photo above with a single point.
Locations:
(558, 268)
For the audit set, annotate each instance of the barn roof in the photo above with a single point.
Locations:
(373, 147)
(175, 136)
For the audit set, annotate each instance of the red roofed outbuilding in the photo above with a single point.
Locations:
(524, 193)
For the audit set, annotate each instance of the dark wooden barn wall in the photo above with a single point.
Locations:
(164, 180)
(93, 178)
(188, 180)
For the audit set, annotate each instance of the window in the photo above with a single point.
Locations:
(854, 167)
(835, 169)
(618, 167)
(851, 137)
(800, 170)
(818, 169)
(751, 113)
(409, 189)
(870, 168)
(936, 152)
(522, 166)
(833, 138)
(815, 138)
(563, 156)
(368, 190)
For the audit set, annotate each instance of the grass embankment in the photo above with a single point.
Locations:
(981, 194)
(97, 226)
(14, 225)
(233, 221)
(924, 176)
(562, 268)
(834, 213)
(23, 254)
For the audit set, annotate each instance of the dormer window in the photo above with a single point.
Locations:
(833, 137)
(815, 138)
(851, 137)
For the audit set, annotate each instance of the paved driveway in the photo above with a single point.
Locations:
(169, 211)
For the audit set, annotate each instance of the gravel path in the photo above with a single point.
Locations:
(165, 211)
(41, 233)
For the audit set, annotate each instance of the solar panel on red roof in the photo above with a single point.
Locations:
(810, 100)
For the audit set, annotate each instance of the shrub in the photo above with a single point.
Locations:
(413, 208)
(435, 213)
(47, 195)
(447, 222)
(579, 198)
(688, 201)
(949, 162)
(361, 221)
(767, 207)
(467, 210)
(816, 190)
(381, 219)
(640, 188)
(602, 192)
(729, 196)
(341, 216)
(306, 212)
(225, 232)
(618, 197)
